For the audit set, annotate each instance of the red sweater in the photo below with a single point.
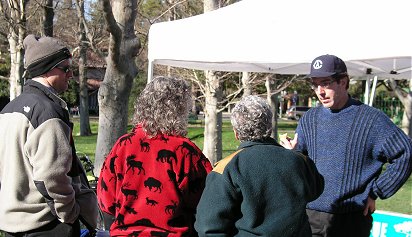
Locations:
(152, 185)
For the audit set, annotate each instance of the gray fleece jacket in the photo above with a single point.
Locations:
(39, 171)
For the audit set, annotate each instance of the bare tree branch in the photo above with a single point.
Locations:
(4, 78)
(114, 30)
(398, 91)
(229, 100)
(89, 34)
(197, 81)
(168, 10)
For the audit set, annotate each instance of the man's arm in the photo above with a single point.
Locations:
(50, 154)
(397, 150)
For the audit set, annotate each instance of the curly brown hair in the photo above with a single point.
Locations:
(163, 107)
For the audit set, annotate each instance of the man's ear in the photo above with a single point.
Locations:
(344, 80)
(236, 136)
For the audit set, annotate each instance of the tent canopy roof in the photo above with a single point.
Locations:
(284, 36)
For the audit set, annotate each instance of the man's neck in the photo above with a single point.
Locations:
(44, 82)
(344, 105)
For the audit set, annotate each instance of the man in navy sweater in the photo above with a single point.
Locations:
(349, 143)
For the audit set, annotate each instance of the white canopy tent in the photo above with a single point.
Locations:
(374, 37)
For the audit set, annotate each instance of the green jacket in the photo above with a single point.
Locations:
(260, 190)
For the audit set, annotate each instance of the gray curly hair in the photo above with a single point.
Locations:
(252, 119)
(163, 107)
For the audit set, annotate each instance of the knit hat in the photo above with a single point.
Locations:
(42, 54)
(326, 66)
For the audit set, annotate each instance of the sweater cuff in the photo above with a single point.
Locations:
(373, 195)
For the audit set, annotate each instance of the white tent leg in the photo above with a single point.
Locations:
(372, 97)
(367, 87)
(149, 71)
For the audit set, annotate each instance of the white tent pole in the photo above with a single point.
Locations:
(372, 97)
(367, 87)
(149, 71)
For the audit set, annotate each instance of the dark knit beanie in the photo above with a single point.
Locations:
(42, 54)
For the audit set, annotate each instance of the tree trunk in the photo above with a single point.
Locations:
(406, 119)
(48, 17)
(406, 101)
(212, 147)
(272, 100)
(15, 37)
(84, 94)
(121, 70)
(407, 113)
(210, 5)
(194, 107)
(247, 86)
(113, 110)
(16, 67)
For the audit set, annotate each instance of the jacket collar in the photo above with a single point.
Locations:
(266, 141)
(32, 86)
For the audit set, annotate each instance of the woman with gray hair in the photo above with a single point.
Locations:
(154, 176)
(252, 119)
(262, 189)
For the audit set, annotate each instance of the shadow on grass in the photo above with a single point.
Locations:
(196, 136)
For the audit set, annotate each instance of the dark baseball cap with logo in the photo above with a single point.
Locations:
(327, 66)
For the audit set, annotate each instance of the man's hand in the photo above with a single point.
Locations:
(288, 142)
(370, 207)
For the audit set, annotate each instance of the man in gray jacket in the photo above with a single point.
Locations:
(41, 188)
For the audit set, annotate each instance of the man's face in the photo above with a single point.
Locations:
(331, 93)
(60, 76)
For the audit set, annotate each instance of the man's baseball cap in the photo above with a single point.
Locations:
(326, 66)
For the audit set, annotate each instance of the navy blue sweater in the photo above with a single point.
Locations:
(349, 148)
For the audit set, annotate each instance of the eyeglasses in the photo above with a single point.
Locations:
(322, 84)
(65, 69)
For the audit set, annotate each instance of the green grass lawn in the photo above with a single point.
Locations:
(401, 202)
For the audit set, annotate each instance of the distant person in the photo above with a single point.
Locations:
(262, 189)
(43, 186)
(295, 98)
(349, 143)
(152, 179)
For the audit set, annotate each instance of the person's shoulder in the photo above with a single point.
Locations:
(378, 121)
(46, 110)
(36, 107)
(315, 108)
(185, 143)
(185, 140)
(374, 112)
(312, 111)
(298, 155)
(221, 165)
